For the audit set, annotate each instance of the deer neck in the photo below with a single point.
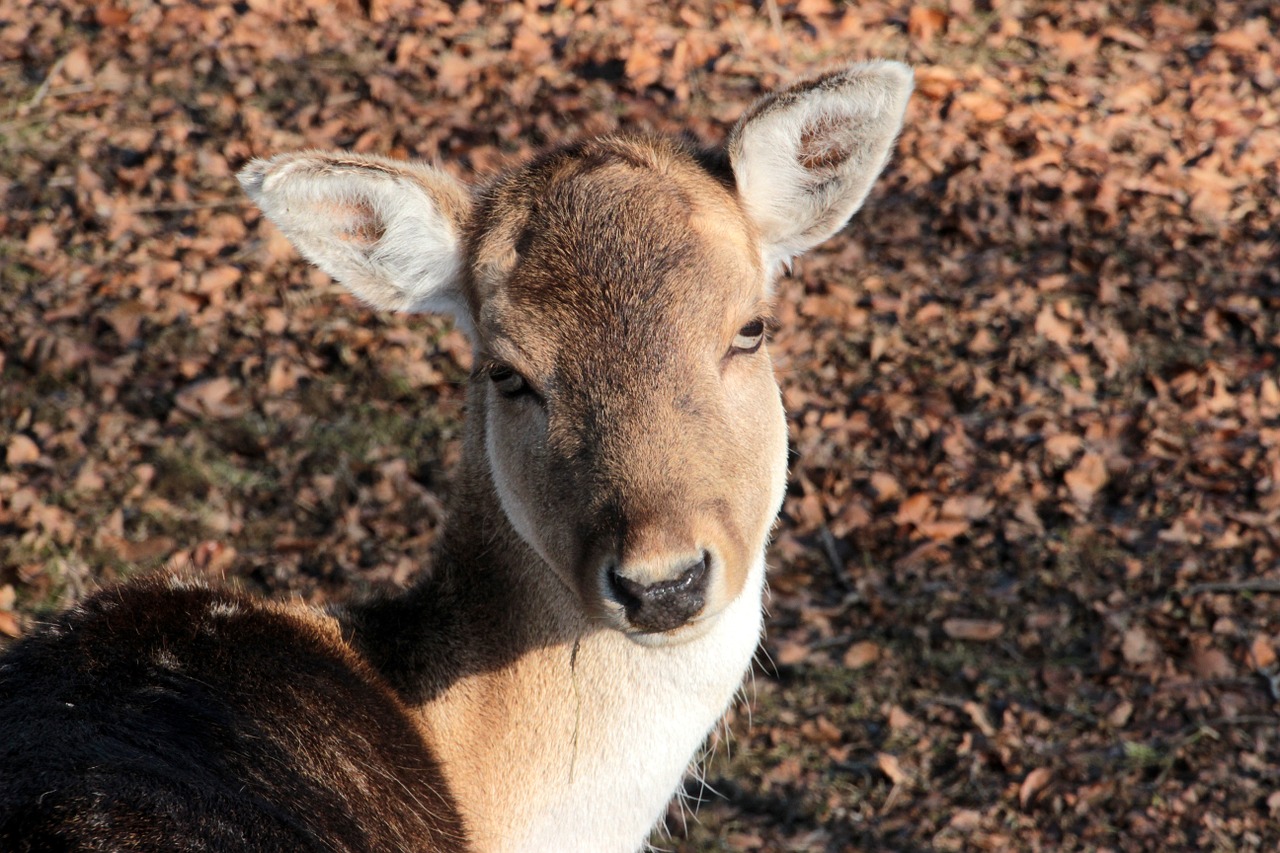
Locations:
(555, 734)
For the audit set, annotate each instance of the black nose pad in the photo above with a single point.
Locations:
(665, 605)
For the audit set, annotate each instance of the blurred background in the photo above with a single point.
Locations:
(1026, 585)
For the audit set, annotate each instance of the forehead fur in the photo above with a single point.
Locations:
(609, 226)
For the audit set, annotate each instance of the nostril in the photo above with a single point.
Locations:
(629, 593)
(694, 580)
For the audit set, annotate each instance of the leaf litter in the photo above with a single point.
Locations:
(1025, 585)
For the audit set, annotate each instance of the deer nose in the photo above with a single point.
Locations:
(665, 605)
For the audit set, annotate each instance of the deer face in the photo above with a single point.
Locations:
(632, 422)
(617, 294)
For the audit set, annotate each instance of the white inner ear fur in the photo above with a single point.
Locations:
(387, 230)
(805, 157)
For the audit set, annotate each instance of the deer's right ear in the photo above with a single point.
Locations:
(389, 230)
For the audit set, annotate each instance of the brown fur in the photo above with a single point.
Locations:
(163, 715)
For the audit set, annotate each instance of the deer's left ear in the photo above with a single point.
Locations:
(805, 157)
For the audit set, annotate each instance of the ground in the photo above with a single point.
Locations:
(1026, 585)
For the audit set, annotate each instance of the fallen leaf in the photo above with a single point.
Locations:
(900, 719)
(978, 714)
(1138, 647)
(1211, 663)
(977, 630)
(21, 451)
(914, 509)
(1050, 327)
(1086, 478)
(143, 551)
(935, 81)
(218, 398)
(1262, 652)
(1120, 714)
(861, 654)
(1033, 784)
(790, 652)
(983, 107)
(886, 486)
(891, 767)
(924, 23)
(945, 529)
(41, 239)
(1062, 446)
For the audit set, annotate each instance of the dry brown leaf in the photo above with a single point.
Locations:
(1050, 327)
(891, 767)
(9, 624)
(914, 509)
(1243, 39)
(971, 507)
(1120, 714)
(138, 552)
(126, 318)
(978, 714)
(213, 557)
(1062, 446)
(886, 486)
(218, 398)
(1073, 45)
(861, 654)
(924, 23)
(216, 282)
(21, 451)
(1262, 651)
(976, 630)
(1086, 478)
(935, 81)
(900, 719)
(945, 529)
(984, 107)
(790, 653)
(1211, 663)
(1138, 648)
(1035, 782)
(41, 239)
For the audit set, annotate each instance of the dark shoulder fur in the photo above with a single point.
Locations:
(160, 715)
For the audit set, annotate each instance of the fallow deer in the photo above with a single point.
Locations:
(595, 596)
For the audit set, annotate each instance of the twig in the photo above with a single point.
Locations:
(14, 124)
(1271, 586)
(182, 207)
(833, 558)
(43, 89)
(831, 642)
(775, 18)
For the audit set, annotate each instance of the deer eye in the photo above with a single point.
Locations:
(507, 381)
(749, 337)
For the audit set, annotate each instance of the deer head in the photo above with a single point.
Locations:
(617, 295)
